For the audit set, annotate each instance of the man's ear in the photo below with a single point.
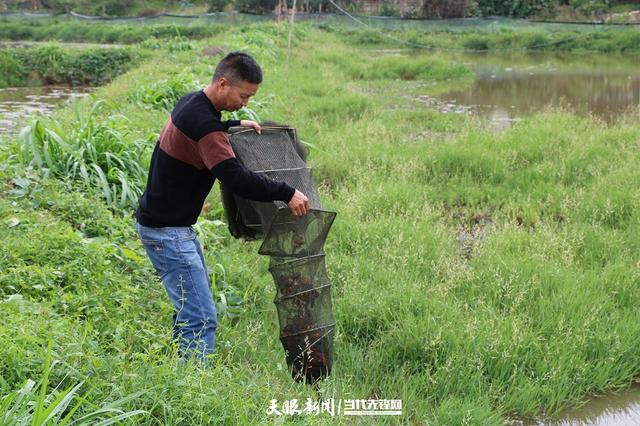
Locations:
(223, 82)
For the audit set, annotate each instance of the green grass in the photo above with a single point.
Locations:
(36, 407)
(62, 30)
(502, 36)
(527, 38)
(536, 315)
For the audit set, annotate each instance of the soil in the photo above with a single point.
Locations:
(212, 51)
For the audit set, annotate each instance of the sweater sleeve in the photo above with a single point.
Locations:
(250, 185)
(230, 123)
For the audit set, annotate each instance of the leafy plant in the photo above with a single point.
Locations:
(164, 94)
(519, 9)
(259, 42)
(218, 5)
(32, 405)
(12, 71)
(91, 152)
(177, 43)
(591, 6)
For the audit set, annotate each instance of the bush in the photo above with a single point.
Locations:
(12, 71)
(476, 43)
(218, 5)
(591, 7)
(518, 9)
(54, 64)
(387, 9)
(255, 6)
(442, 9)
(93, 7)
(165, 93)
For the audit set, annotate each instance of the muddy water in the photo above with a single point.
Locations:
(508, 88)
(619, 409)
(18, 103)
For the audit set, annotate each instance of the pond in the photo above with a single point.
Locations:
(614, 409)
(509, 87)
(18, 103)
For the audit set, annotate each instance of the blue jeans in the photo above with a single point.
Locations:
(176, 255)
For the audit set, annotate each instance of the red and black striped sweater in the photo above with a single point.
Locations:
(194, 150)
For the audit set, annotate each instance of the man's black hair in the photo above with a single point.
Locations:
(238, 66)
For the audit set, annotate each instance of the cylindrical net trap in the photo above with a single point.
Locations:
(295, 244)
(305, 315)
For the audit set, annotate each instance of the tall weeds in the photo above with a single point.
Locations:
(91, 152)
(32, 405)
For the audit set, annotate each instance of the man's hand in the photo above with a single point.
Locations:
(299, 204)
(250, 123)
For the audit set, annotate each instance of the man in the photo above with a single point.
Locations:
(194, 150)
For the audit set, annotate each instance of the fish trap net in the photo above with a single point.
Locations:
(295, 244)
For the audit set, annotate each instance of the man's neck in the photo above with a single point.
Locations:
(209, 93)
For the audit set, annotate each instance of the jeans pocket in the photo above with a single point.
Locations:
(156, 252)
(185, 233)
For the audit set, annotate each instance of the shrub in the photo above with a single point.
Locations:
(164, 94)
(12, 71)
(218, 5)
(52, 63)
(519, 9)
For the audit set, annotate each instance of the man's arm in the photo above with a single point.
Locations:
(230, 123)
(252, 186)
(216, 153)
(242, 123)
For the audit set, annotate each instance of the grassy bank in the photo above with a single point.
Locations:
(432, 35)
(52, 64)
(476, 275)
(45, 29)
(529, 38)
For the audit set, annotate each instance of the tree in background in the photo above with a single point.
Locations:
(441, 9)
(93, 7)
(218, 5)
(433, 9)
(255, 6)
(589, 7)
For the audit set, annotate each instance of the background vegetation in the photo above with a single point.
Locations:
(51, 63)
(438, 9)
(502, 37)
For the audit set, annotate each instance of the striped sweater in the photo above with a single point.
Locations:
(192, 151)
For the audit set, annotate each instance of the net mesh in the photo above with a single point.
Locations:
(295, 244)
(291, 236)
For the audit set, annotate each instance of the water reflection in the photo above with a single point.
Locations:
(18, 103)
(619, 409)
(606, 89)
